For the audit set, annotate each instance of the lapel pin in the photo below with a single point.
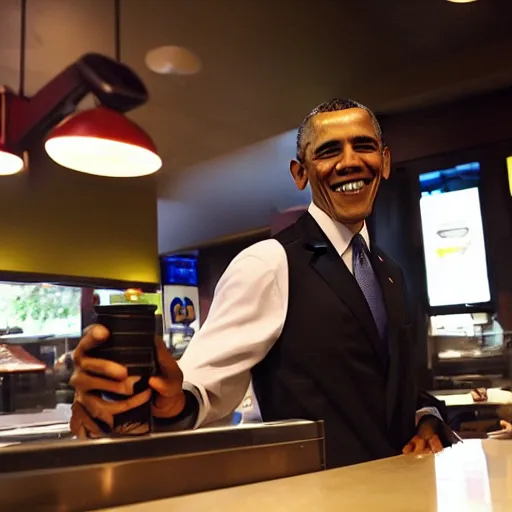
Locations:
(316, 247)
(391, 280)
(380, 258)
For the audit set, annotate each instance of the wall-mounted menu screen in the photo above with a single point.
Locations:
(453, 237)
(179, 270)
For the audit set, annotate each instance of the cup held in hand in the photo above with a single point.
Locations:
(132, 344)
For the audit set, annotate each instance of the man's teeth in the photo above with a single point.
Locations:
(352, 186)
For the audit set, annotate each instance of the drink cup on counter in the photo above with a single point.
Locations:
(132, 344)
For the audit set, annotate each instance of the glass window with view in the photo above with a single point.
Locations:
(40, 325)
(107, 297)
(35, 309)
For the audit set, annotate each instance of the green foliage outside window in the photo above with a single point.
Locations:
(40, 308)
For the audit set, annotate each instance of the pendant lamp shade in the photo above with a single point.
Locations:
(10, 163)
(103, 142)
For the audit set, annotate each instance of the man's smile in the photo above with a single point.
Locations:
(352, 186)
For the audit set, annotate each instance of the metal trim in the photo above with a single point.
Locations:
(205, 460)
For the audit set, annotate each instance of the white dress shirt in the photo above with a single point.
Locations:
(245, 320)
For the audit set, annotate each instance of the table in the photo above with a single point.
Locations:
(15, 360)
(495, 396)
(474, 476)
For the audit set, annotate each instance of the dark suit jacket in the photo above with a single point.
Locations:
(325, 365)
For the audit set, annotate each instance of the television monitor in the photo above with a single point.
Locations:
(453, 237)
(180, 270)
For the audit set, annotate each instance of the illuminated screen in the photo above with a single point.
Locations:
(180, 270)
(453, 237)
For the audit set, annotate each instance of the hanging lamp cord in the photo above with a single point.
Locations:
(117, 29)
(23, 45)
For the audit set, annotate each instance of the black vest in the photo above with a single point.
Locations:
(325, 364)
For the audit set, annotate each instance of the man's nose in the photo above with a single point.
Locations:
(349, 159)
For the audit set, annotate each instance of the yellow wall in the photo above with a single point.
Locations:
(57, 221)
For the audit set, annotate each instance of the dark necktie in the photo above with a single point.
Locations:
(369, 284)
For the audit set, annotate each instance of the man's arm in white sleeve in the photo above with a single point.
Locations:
(245, 320)
(427, 411)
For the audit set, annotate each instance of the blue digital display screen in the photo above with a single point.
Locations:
(460, 177)
(180, 270)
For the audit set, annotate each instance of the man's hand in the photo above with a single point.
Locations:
(426, 439)
(169, 398)
(92, 375)
(504, 433)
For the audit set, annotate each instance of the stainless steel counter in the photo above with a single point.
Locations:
(89, 475)
(474, 476)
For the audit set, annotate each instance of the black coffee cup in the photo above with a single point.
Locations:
(131, 343)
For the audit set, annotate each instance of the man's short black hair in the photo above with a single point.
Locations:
(333, 106)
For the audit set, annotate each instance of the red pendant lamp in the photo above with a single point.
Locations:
(100, 141)
(103, 142)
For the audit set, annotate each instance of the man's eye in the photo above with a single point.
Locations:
(365, 148)
(328, 153)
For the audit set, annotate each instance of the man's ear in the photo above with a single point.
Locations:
(386, 163)
(299, 174)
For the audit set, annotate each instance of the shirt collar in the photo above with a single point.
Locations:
(338, 234)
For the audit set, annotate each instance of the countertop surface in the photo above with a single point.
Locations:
(469, 477)
(495, 396)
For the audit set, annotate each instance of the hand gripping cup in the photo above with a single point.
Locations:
(132, 344)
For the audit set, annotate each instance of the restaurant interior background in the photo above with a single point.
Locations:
(436, 73)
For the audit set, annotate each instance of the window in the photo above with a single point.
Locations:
(39, 309)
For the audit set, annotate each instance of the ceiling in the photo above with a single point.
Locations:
(226, 134)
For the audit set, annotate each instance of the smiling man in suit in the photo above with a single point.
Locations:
(351, 364)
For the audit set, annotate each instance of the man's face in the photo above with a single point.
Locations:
(343, 162)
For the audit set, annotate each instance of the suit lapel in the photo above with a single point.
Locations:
(393, 300)
(330, 267)
(338, 277)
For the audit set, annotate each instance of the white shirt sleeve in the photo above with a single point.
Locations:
(245, 320)
(427, 411)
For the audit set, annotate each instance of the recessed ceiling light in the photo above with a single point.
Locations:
(461, 1)
(173, 60)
